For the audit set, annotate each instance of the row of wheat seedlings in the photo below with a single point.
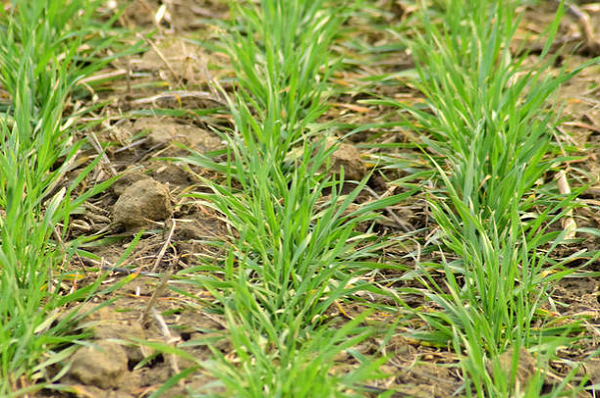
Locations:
(40, 63)
(488, 125)
(297, 249)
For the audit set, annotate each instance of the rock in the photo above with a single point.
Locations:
(142, 202)
(103, 366)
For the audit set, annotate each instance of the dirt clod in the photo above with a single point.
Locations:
(348, 157)
(526, 368)
(126, 180)
(166, 131)
(145, 201)
(102, 366)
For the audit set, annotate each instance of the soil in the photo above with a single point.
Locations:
(164, 105)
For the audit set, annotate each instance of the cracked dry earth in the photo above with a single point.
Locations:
(161, 103)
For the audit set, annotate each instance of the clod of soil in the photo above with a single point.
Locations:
(592, 370)
(127, 179)
(526, 368)
(174, 175)
(141, 203)
(348, 157)
(104, 365)
(166, 131)
(110, 324)
(416, 381)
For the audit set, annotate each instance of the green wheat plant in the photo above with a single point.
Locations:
(279, 51)
(486, 116)
(38, 54)
(298, 249)
(297, 254)
(488, 122)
